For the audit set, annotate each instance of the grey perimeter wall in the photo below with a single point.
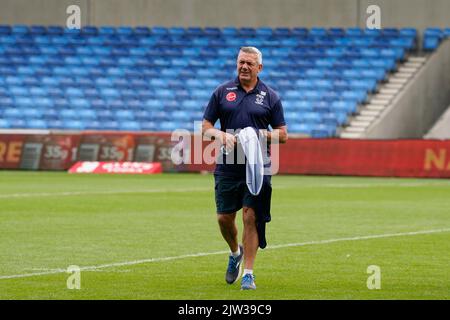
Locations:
(254, 13)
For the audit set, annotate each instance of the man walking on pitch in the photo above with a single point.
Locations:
(243, 102)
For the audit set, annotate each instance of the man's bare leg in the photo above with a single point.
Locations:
(229, 232)
(249, 237)
(228, 229)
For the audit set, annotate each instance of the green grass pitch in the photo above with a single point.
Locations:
(156, 237)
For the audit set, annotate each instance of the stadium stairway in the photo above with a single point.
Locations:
(410, 102)
(409, 92)
(384, 98)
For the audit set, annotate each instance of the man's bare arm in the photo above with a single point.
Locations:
(224, 138)
(278, 134)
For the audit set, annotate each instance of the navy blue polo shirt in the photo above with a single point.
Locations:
(237, 109)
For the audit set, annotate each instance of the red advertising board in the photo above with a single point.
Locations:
(40, 151)
(11, 150)
(106, 147)
(389, 158)
(155, 147)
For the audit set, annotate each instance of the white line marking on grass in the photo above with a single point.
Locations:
(78, 193)
(203, 254)
(375, 236)
(167, 190)
(367, 185)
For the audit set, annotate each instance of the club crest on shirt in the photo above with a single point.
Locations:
(260, 98)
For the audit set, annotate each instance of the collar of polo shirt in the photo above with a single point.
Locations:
(256, 88)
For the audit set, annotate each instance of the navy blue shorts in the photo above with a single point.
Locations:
(232, 194)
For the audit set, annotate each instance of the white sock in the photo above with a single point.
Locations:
(237, 253)
(248, 271)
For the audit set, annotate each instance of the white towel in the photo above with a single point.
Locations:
(255, 163)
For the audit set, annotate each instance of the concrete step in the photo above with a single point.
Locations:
(417, 59)
(370, 112)
(415, 65)
(395, 86)
(403, 75)
(407, 70)
(360, 124)
(355, 129)
(384, 96)
(365, 118)
(392, 92)
(397, 80)
(380, 102)
(374, 107)
(350, 135)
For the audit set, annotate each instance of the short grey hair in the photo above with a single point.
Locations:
(253, 50)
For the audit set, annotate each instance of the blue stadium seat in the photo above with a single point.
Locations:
(24, 102)
(348, 107)
(4, 124)
(264, 32)
(93, 125)
(299, 32)
(322, 130)
(212, 31)
(36, 124)
(148, 126)
(129, 126)
(74, 124)
(391, 32)
(318, 32)
(106, 30)
(111, 125)
(50, 114)
(12, 113)
(69, 114)
(5, 30)
(446, 32)
(430, 43)
(409, 32)
(87, 114)
(55, 30)
(310, 117)
(123, 115)
(20, 29)
(301, 128)
(194, 31)
(142, 31)
(17, 123)
(168, 126)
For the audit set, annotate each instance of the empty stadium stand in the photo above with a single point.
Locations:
(160, 79)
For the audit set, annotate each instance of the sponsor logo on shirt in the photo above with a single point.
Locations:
(231, 96)
(232, 88)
